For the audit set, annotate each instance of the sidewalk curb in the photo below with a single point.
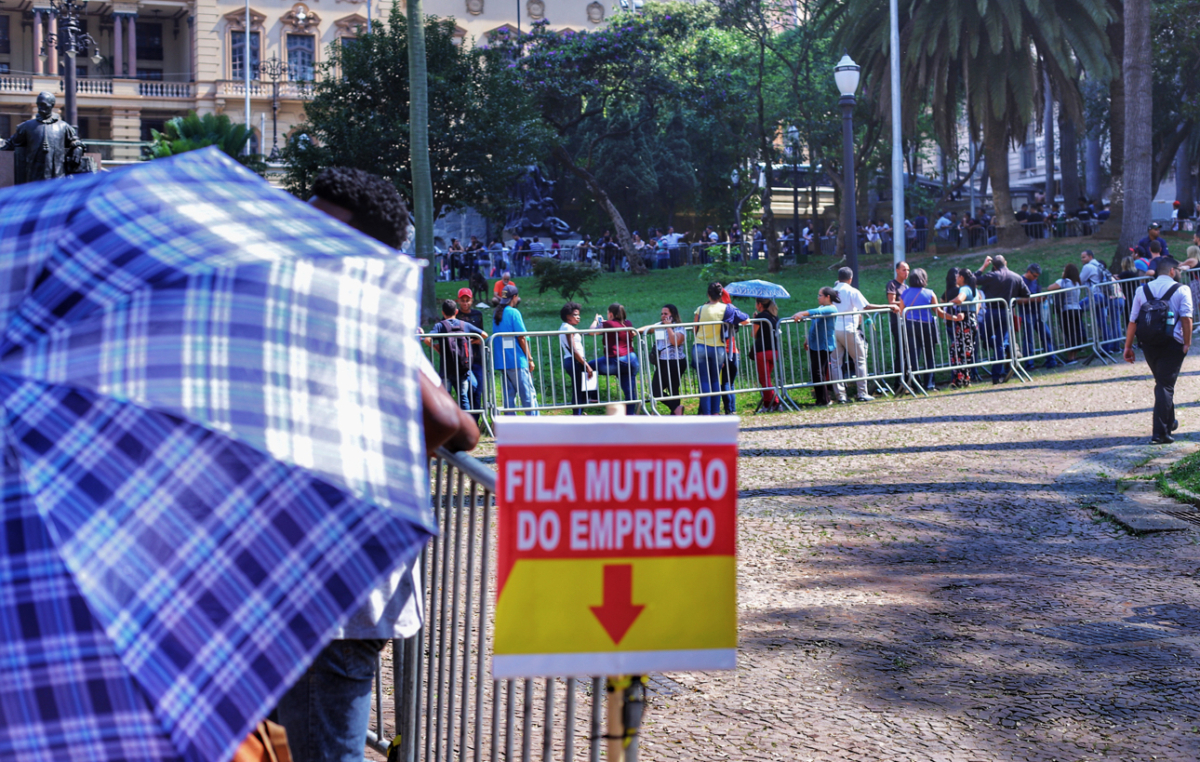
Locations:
(1092, 482)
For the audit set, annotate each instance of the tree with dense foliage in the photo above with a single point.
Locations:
(988, 55)
(483, 132)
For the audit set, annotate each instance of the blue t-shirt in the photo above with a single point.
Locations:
(918, 297)
(506, 349)
(970, 303)
(820, 330)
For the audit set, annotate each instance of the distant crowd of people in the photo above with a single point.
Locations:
(973, 308)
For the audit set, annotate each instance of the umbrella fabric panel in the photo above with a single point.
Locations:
(214, 569)
(757, 288)
(65, 693)
(262, 282)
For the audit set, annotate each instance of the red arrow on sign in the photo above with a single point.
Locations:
(619, 612)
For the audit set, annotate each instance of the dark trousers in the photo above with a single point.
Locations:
(995, 336)
(667, 376)
(1164, 363)
(822, 371)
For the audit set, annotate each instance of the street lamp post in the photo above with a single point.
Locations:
(846, 74)
(274, 70)
(70, 40)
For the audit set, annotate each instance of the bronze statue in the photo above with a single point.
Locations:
(46, 146)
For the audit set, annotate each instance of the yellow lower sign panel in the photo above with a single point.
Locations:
(616, 616)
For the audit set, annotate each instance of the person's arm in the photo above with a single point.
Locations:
(577, 352)
(1186, 324)
(1131, 329)
(525, 348)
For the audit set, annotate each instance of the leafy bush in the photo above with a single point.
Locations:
(567, 278)
(722, 268)
(192, 132)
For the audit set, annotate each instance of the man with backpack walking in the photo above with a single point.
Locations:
(1161, 318)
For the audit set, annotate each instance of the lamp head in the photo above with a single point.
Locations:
(846, 75)
(97, 58)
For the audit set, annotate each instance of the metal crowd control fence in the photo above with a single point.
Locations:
(557, 381)
(446, 706)
(742, 371)
(937, 350)
(1054, 324)
(800, 368)
(1110, 304)
(471, 389)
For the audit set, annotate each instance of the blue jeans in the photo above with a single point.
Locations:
(1031, 328)
(626, 370)
(995, 336)
(518, 381)
(477, 388)
(729, 373)
(709, 362)
(327, 711)
(460, 387)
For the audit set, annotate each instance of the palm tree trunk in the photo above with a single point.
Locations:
(995, 148)
(422, 181)
(1138, 154)
(1069, 151)
(1116, 123)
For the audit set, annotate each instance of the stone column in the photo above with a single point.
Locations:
(52, 61)
(37, 41)
(118, 46)
(131, 55)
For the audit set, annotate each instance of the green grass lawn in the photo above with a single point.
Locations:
(644, 295)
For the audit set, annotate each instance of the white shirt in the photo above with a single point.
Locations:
(1180, 304)
(672, 239)
(852, 300)
(570, 341)
(1090, 274)
(872, 233)
(943, 222)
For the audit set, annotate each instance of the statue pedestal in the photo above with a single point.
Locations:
(7, 169)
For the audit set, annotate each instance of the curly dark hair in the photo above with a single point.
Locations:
(376, 205)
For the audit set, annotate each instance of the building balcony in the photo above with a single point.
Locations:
(288, 91)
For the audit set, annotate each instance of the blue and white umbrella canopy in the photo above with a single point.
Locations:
(212, 451)
(758, 288)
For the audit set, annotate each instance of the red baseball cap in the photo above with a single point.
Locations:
(464, 292)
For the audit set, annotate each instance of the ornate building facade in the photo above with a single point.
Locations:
(163, 58)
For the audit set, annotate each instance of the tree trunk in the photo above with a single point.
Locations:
(1138, 151)
(1048, 127)
(1095, 188)
(636, 265)
(1183, 182)
(1069, 152)
(422, 181)
(1116, 122)
(995, 147)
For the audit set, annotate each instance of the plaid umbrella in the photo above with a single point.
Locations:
(212, 451)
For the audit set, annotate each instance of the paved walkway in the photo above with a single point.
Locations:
(897, 559)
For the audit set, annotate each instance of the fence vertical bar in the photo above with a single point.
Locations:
(469, 621)
(596, 735)
(569, 724)
(433, 550)
(454, 536)
(548, 727)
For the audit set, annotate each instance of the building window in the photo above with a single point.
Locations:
(149, 41)
(5, 44)
(151, 75)
(301, 49)
(152, 124)
(349, 42)
(237, 42)
(81, 72)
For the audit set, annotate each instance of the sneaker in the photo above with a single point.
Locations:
(1162, 440)
(843, 401)
(864, 398)
(1051, 363)
(1031, 366)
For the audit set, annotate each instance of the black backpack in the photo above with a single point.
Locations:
(1155, 328)
(455, 350)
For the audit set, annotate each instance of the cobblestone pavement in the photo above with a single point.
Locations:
(897, 560)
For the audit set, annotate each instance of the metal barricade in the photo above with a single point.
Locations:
(802, 368)
(556, 381)
(471, 390)
(1110, 304)
(1054, 325)
(940, 351)
(446, 706)
(739, 374)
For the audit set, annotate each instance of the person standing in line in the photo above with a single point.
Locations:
(920, 307)
(961, 319)
(1153, 234)
(820, 342)
(619, 359)
(709, 349)
(1005, 285)
(895, 290)
(574, 361)
(457, 353)
(849, 339)
(513, 357)
(733, 360)
(1070, 310)
(671, 359)
(327, 711)
(1164, 349)
(468, 313)
(1033, 325)
(766, 326)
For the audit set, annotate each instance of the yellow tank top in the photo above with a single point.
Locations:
(711, 335)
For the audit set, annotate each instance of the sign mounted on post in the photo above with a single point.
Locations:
(617, 546)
